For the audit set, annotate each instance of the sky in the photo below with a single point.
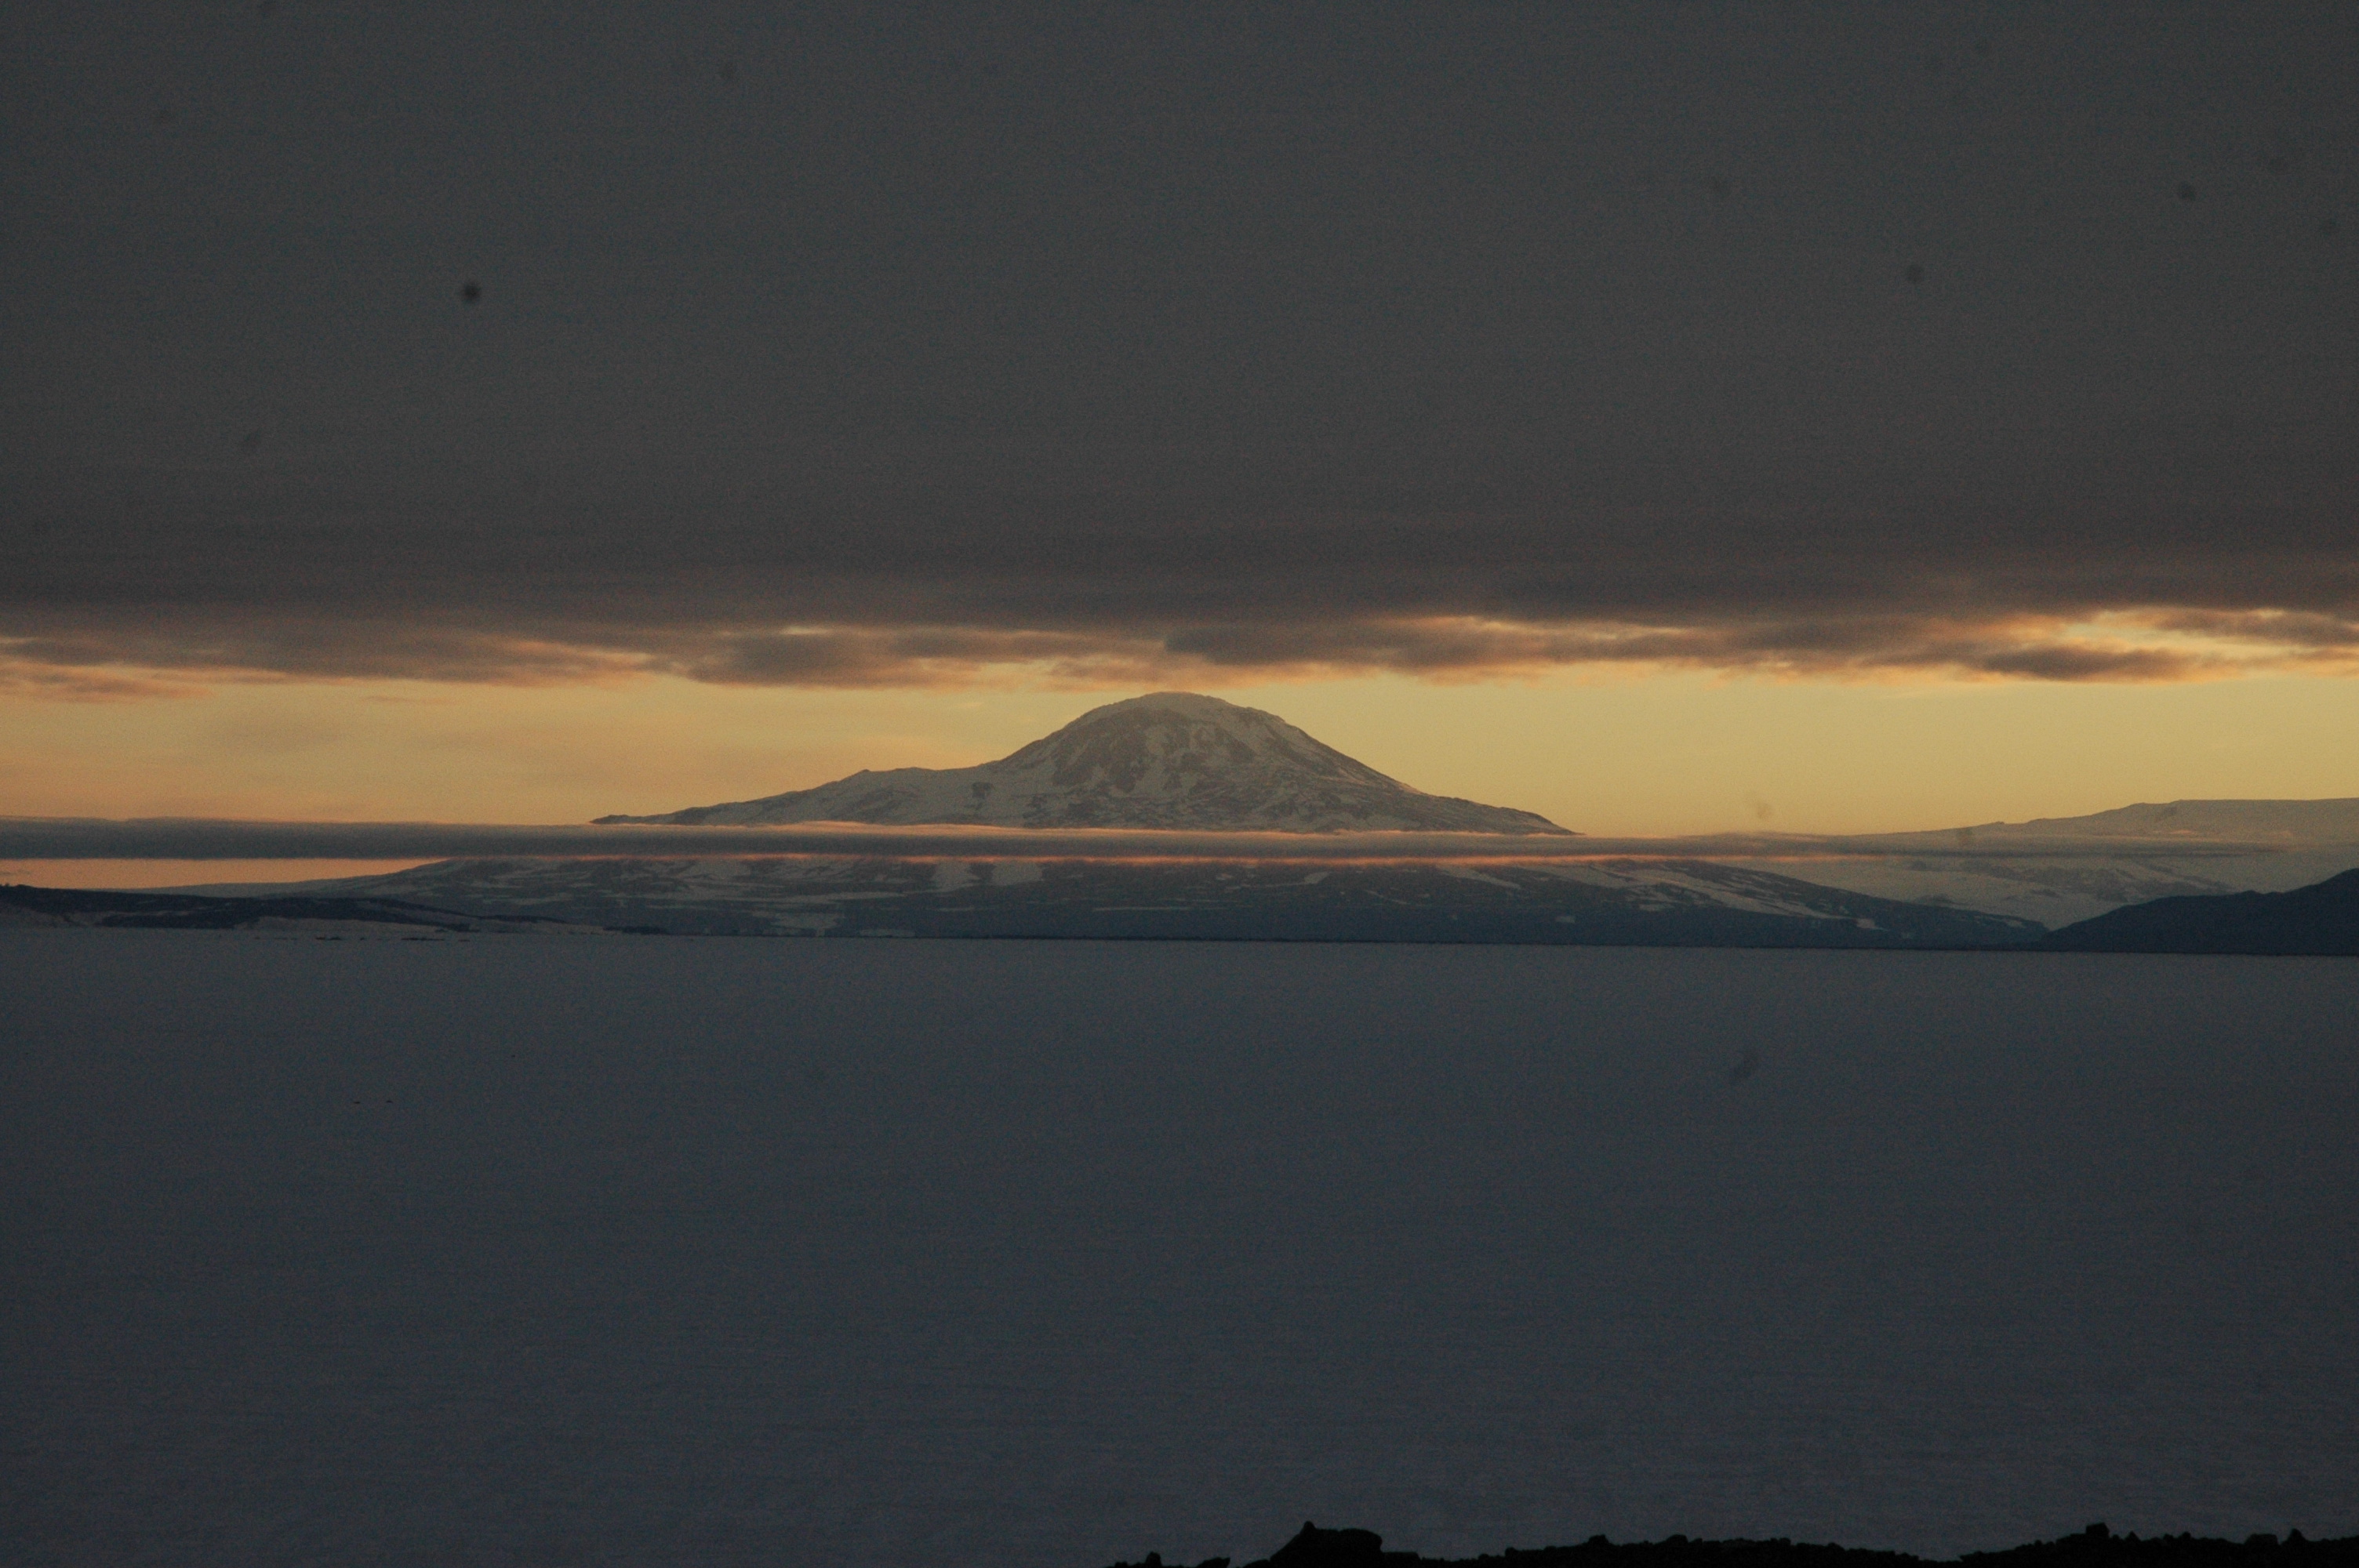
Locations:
(1666, 419)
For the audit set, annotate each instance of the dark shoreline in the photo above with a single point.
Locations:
(2095, 1546)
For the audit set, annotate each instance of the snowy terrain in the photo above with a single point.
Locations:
(1591, 903)
(632, 1253)
(2061, 870)
(1170, 773)
(1185, 762)
(2060, 888)
(2252, 821)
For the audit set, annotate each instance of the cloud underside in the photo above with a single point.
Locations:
(95, 613)
(1456, 342)
(94, 658)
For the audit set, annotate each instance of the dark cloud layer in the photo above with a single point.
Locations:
(1115, 343)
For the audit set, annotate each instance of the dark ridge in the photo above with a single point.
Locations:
(2321, 920)
(2095, 1546)
(203, 911)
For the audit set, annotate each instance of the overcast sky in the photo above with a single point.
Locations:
(494, 342)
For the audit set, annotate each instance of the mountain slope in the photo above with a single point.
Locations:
(2321, 919)
(1682, 903)
(1172, 760)
(2062, 870)
(2257, 821)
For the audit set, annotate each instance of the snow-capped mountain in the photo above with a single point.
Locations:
(1171, 759)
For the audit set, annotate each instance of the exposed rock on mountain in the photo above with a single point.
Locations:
(1171, 759)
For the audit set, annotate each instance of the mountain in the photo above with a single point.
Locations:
(1171, 759)
(2061, 870)
(1618, 903)
(2242, 821)
(2070, 881)
(2321, 919)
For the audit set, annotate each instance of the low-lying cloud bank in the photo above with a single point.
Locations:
(170, 838)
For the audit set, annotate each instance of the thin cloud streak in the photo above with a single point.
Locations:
(180, 839)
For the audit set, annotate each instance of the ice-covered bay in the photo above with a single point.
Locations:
(523, 1251)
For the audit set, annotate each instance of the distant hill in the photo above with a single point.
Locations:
(2061, 870)
(1173, 760)
(2192, 821)
(2323, 918)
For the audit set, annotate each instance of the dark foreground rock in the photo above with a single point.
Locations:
(2319, 920)
(2095, 1546)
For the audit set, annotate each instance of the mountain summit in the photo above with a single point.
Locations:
(1171, 759)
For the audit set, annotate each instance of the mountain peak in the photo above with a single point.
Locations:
(1184, 701)
(1169, 758)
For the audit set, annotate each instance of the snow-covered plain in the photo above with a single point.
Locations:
(524, 1250)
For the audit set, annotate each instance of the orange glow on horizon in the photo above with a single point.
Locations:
(1611, 753)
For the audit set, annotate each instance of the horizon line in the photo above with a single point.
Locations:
(234, 838)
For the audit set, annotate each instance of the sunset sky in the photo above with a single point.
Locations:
(1667, 419)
